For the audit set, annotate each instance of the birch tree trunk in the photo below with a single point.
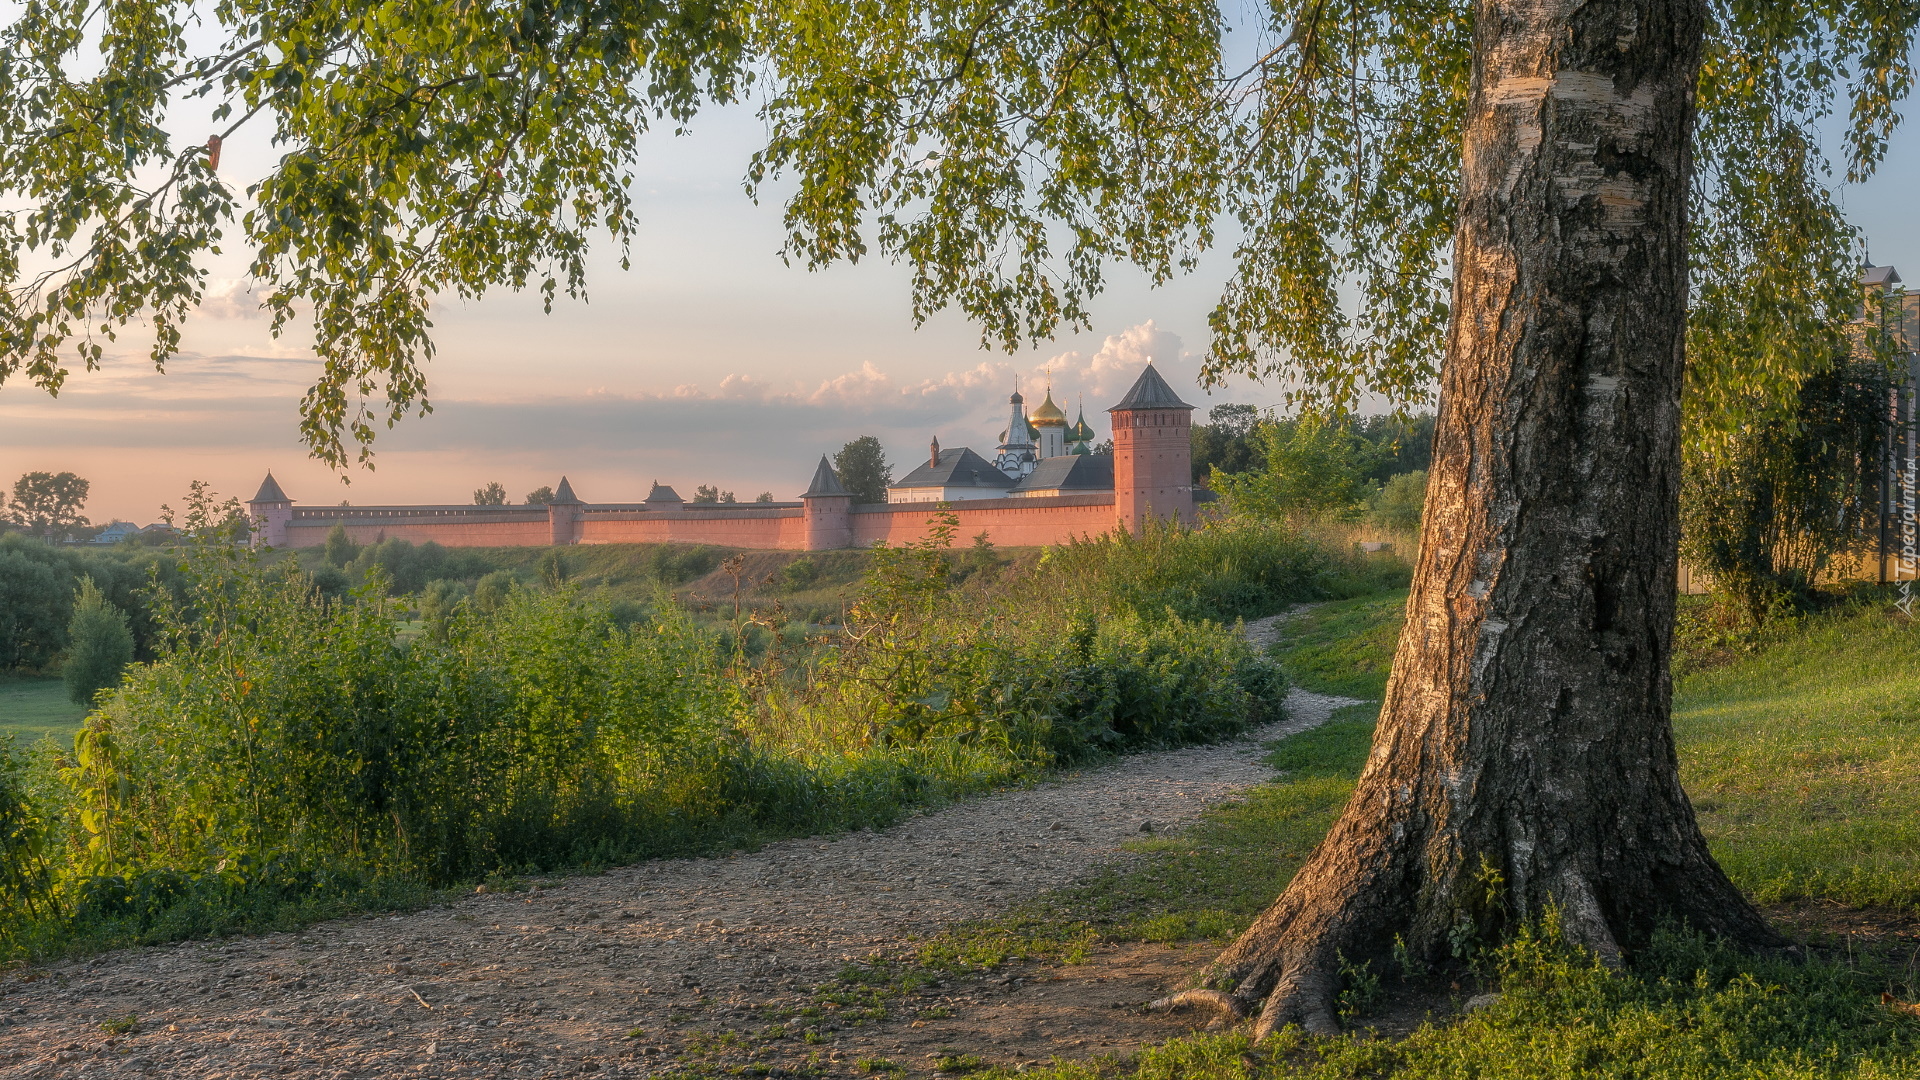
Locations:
(1524, 757)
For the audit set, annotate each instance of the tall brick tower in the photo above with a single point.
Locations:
(562, 512)
(827, 507)
(270, 510)
(1152, 453)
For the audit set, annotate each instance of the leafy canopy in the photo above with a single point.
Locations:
(1007, 151)
(48, 504)
(862, 468)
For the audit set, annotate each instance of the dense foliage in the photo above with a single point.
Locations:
(1776, 508)
(286, 744)
(99, 645)
(862, 469)
(1009, 154)
(38, 583)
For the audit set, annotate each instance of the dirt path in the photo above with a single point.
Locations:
(631, 970)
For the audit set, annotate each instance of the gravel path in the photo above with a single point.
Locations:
(614, 972)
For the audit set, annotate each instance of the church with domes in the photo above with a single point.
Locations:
(1040, 453)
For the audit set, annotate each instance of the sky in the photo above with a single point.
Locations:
(709, 362)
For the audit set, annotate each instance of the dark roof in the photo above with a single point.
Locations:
(959, 467)
(1883, 276)
(661, 493)
(825, 482)
(1150, 391)
(1084, 472)
(270, 491)
(565, 494)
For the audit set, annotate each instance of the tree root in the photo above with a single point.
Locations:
(1303, 996)
(1217, 1000)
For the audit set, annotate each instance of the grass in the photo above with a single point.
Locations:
(1804, 762)
(1344, 647)
(1803, 757)
(1800, 748)
(35, 708)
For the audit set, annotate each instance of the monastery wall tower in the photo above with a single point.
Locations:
(1152, 453)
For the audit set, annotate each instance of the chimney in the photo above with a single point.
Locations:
(935, 459)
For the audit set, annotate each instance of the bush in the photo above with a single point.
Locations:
(491, 591)
(675, 564)
(34, 600)
(797, 575)
(1769, 516)
(100, 645)
(287, 750)
(1222, 572)
(1397, 506)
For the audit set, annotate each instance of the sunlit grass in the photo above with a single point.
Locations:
(1804, 762)
(35, 708)
(1344, 647)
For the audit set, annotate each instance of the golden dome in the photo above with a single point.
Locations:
(1047, 414)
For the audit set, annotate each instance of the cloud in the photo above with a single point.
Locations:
(232, 298)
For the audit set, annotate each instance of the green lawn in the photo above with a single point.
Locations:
(1804, 762)
(32, 708)
(1344, 647)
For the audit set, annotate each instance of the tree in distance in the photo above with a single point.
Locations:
(48, 504)
(540, 496)
(494, 494)
(1578, 210)
(862, 468)
(765, 496)
(340, 550)
(99, 645)
(707, 493)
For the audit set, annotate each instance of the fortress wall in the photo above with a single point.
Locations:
(1030, 522)
(763, 529)
(523, 530)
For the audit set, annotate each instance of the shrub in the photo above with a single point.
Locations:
(100, 646)
(1397, 506)
(34, 601)
(491, 591)
(340, 550)
(798, 575)
(1768, 515)
(1224, 571)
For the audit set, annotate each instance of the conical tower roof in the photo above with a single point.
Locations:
(661, 493)
(1150, 391)
(825, 482)
(270, 491)
(564, 493)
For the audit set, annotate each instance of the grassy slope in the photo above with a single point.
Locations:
(1804, 762)
(33, 708)
(1344, 647)
(1803, 758)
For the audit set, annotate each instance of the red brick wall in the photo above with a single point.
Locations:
(1032, 522)
(451, 533)
(1007, 522)
(763, 529)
